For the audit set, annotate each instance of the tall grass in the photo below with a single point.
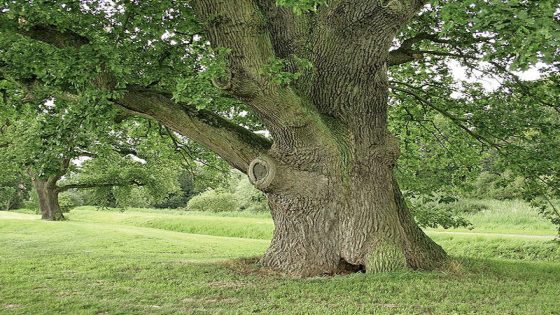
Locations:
(512, 216)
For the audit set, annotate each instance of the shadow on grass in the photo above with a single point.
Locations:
(455, 268)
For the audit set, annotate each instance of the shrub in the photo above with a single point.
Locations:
(249, 198)
(68, 200)
(437, 210)
(214, 201)
(235, 194)
(502, 186)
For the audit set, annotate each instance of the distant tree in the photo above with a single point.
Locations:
(14, 186)
(63, 144)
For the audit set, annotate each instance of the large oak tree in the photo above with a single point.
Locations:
(314, 74)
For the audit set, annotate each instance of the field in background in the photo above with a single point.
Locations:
(161, 262)
(513, 216)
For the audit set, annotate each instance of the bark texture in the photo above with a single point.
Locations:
(47, 191)
(327, 224)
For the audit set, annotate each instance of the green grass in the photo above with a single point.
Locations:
(148, 262)
(233, 224)
(486, 246)
(511, 217)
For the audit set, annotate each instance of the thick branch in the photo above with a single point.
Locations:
(51, 35)
(349, 52)
(241, 27)
(184, 151)
(235, 144)
(405, 53)
(399, 57)
(290, 32)
(66, 187)
(358, 15)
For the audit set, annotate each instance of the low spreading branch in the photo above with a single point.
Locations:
(234, 143)
(65, 187)
(237, 145)
(184, 151)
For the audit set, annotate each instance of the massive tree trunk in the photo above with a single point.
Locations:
(340, 219)
(329, 174)
(47, 191)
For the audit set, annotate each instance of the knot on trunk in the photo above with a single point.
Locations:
(223, 82)
(262, 172)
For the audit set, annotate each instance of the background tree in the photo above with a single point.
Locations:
(312, 73)
(14, 186)
(63, 145)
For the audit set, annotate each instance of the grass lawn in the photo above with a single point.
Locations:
(148, 262)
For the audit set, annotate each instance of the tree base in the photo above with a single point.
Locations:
(321, 235)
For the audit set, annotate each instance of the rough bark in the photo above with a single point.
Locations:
(292, 120)
(331, 223)
(233, 143)
(47, 191)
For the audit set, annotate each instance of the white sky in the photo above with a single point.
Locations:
(490, 83)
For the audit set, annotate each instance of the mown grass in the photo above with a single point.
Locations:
(106, 262)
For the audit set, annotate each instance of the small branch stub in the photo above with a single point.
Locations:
(262, 171)
(223, 82)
